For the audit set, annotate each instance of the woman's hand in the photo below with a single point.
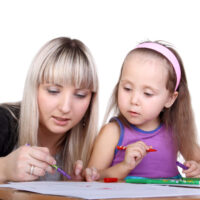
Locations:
(28, 163)
(193, 170)
(134, 154)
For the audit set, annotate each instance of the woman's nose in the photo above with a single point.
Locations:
(65, 103)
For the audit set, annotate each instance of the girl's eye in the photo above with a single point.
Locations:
(127, 88)
(148, 94)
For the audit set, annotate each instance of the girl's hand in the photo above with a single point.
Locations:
(134, 154)
(193, 170)
(91, 174)
(78, 170)
(28, 163)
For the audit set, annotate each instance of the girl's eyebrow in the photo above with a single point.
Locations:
(151, 88)
(145, 86)
(126, 81)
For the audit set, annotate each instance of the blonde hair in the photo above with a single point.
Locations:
(179, 116)
(62, 61)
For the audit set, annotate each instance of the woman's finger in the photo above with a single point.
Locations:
(40, 155)
(42, 165)
(44, 149)
(36, 171)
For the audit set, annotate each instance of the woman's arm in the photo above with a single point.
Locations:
(17, 165)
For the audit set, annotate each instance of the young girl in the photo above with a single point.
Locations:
(56, 121)
(153, 108)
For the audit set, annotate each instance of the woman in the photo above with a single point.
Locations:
(56, 121)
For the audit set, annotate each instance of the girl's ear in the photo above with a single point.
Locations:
(171, 99)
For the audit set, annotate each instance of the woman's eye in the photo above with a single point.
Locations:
(52, 91)
(80, 95)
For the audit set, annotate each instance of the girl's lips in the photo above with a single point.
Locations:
(134, 113)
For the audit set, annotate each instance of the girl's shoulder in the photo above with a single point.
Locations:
(110, 130)
(111, 126)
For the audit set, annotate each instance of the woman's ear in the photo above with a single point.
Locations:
(171, 100)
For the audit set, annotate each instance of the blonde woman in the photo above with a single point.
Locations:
(57, 116)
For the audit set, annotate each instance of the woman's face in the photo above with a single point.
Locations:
(61, 107)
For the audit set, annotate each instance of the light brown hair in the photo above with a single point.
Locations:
(179, 117)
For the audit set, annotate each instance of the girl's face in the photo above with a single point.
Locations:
(142, 92)
(61, 107)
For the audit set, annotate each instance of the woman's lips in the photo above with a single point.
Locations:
(61, 121)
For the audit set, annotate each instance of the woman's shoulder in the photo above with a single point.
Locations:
(9, 117)
(9, 111)
(4, 113)
(8, 127)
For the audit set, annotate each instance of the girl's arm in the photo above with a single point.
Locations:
(104, 146)
(103, 155)
(193, 164)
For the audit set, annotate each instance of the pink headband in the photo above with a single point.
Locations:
(168, 54)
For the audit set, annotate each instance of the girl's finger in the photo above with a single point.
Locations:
(141, 151)
(88, 174)
(95, 176)
(137, 154)
(78, 167)
(143, 145)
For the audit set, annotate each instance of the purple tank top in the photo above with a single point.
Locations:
(159, 164)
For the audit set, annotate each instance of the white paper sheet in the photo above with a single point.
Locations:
(98, 190)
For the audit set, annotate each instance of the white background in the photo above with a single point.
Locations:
(110, 28)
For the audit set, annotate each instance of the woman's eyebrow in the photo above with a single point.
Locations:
(55, 84)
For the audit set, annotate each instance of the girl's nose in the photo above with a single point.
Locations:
(135, 98)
